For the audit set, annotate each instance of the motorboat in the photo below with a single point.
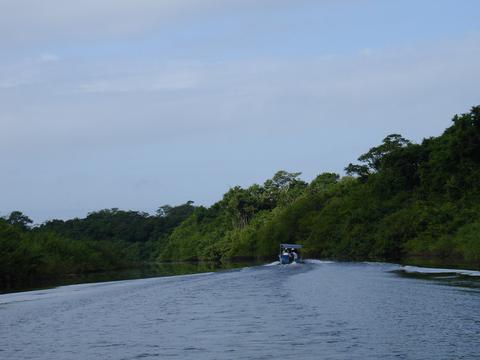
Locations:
(290, 253)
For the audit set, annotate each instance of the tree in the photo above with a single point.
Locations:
(242, 204)
(282, 180)
(164, 210)
(283, 188)
(374, 157)
(18, 219)
(362, 171)
(323, 182)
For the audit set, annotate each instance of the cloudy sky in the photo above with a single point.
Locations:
(139, 103)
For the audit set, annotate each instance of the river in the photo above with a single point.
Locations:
(317, 310)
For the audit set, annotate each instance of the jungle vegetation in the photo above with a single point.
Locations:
(400, 200)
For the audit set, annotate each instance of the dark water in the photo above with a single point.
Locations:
(145, 271)
(318, 310)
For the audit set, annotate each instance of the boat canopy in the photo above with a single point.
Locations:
(291, 246)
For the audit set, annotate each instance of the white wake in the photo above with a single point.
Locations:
(422, 270)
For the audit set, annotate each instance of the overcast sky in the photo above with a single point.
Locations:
(139, 103)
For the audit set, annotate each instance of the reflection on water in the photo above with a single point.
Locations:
(145, 271)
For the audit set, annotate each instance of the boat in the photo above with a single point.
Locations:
(289, 253)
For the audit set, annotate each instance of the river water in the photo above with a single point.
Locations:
(317, 310)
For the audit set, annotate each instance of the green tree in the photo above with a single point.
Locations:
(323, 182)
(18, 219)
(372, 160)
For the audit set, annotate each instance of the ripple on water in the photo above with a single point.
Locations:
(319, 309)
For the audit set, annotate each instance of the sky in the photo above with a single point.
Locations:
(135, 104)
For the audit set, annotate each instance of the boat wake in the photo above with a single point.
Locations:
(273, 263)
(307, 261)
(422, 270)
(319, 262)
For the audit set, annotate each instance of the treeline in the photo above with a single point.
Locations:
(400, 200)
(104, 240)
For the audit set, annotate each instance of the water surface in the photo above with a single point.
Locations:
(144, 271)
(318, 310)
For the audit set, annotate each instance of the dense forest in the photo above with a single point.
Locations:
(401, 200)
(105, 240)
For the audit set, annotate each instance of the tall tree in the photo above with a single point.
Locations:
(372, 160)
(18, 219)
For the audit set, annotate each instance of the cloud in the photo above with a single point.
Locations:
(25, 23)
(149, 102)
(22, 21)
(89, 128)
(27, 71)
(46, 58)
(150, 81)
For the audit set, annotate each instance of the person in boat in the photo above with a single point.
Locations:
(290, 255)
(295, 255)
